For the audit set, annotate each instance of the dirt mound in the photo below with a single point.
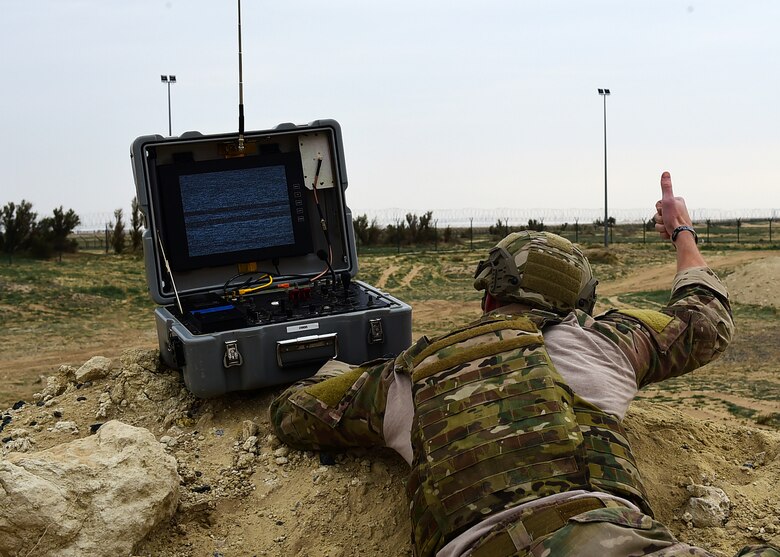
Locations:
(756, 283)
(243, 493)
(753, 267)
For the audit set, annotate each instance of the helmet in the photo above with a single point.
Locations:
(540, 269)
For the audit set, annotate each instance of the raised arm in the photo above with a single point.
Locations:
(672, 215)
(695, 327)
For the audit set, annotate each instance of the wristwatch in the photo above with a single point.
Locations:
(676, 232)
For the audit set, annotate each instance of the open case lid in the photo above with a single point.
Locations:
(213, 211)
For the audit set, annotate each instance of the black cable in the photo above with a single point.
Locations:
(324, 256)
(323, 221)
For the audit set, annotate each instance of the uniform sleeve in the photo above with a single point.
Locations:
(692, 330)
(341, 406)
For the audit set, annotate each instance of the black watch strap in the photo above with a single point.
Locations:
(679, 229)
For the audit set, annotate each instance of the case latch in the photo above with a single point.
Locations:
(232, 355)
(376, 333)
(175, 348)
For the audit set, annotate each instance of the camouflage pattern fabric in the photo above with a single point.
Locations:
(542, 269)
(699, 331)
(303, 421)
(496, 425)
(694, 329)
(611, 532)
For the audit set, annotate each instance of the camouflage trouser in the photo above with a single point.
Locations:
(343, 406)
(608, 532)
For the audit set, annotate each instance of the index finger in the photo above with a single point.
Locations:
(666, 186)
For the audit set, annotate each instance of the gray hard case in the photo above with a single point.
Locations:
(294, 325)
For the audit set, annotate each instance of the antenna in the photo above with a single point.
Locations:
(170, 273)
(240, 87)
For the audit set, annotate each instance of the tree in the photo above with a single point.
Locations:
(58, 228)
(394, 233)
(500, 229)
(17, 223)
(367, 233)
(413, 224)
(136, 224)
(117, 237)
(599, 223)
(426, 233)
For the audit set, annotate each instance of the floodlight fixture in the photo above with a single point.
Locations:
(168, 79)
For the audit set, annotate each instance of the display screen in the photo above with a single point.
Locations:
(229, 211)
(248, 206)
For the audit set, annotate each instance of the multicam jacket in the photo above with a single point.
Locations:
(388, 402)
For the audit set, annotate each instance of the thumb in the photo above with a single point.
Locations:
(666, 186)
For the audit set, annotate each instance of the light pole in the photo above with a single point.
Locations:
(168, 79)
(604, 93)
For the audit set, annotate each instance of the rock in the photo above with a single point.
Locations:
(96, 367)
(96, 496)
(18, 445)
(169, 441)
(147, 360)
(272, 441)
(708, 506)
(56, 384)
(245, 460)
(67, 427)
(250, 445)
(104, 405)
(248, 429)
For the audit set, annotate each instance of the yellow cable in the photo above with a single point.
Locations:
(243, 291)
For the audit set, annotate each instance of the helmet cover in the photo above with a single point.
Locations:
(540, 269)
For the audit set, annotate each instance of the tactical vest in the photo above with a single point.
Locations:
(496, 426)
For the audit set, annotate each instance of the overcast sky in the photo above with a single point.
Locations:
(443, 104)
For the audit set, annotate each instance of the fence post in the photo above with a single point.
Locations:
(471, 232)
(739, 224)
(576, 230)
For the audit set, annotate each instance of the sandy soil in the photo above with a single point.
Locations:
(241, 498)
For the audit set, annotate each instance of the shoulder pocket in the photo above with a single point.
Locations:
(664, 329)
(328, 400)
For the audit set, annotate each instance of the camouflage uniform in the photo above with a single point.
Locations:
(571, 448)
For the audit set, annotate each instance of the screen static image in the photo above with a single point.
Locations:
(236, 210)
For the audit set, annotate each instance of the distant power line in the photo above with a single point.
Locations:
(461, 218)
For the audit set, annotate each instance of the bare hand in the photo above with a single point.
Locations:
(671, 211)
